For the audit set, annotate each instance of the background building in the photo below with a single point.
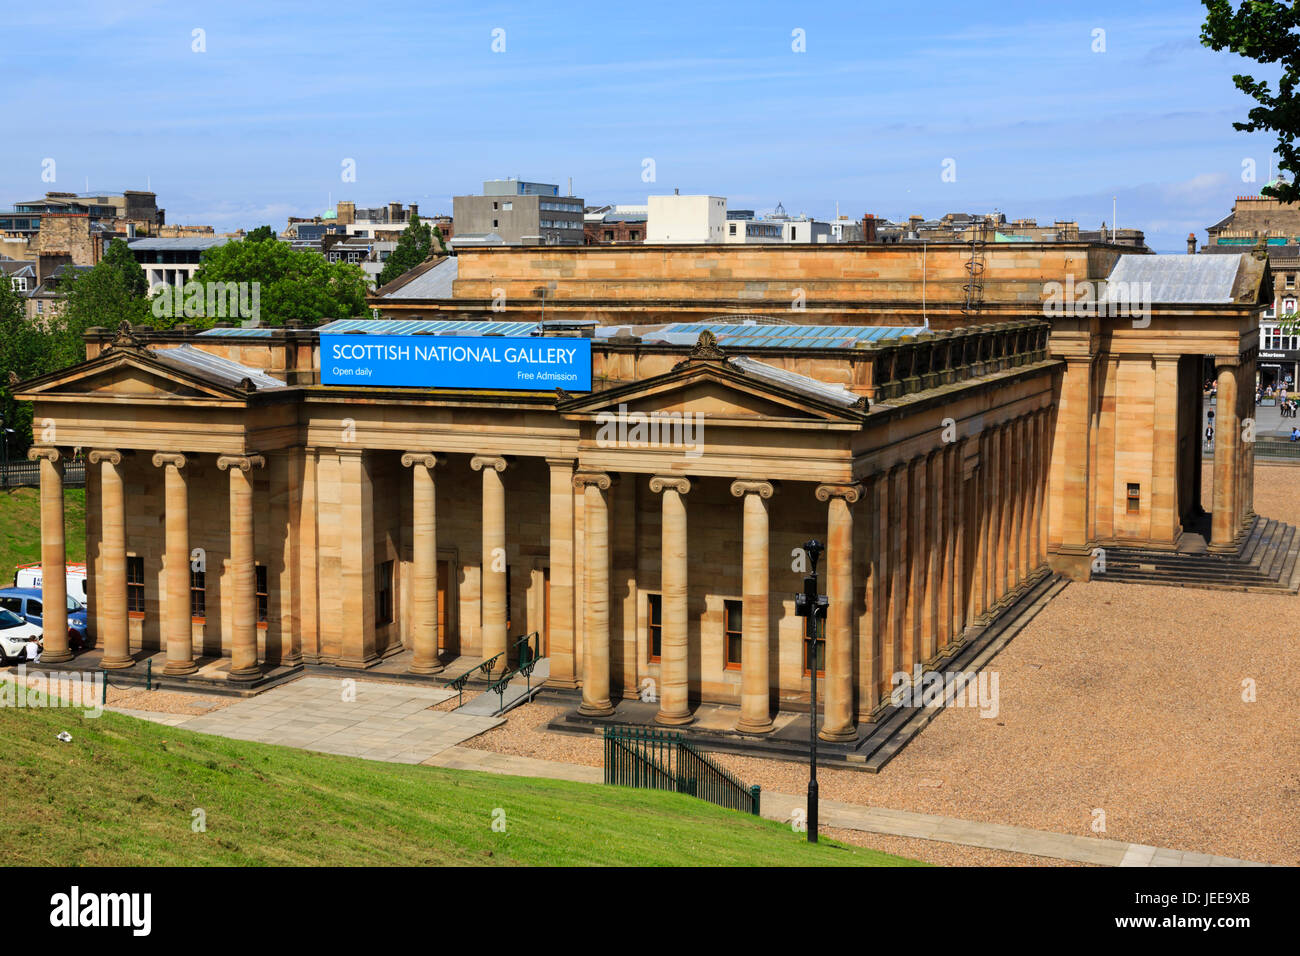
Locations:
(521, 213)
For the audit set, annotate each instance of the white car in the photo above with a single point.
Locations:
(18, 639)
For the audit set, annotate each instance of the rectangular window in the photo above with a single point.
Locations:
(655, 620)
(384, 593)
(260, 571)
(1134, 498)
(135, 583)
(198, 594)
(733, 612)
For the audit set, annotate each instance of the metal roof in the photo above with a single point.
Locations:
(1180, 279)
(214, 367)
(419, 326)
(784, 336)
(256, 332)
(187, 242)
(835, 394)
(433, 284)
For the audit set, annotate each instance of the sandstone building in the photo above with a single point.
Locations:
(953, 453)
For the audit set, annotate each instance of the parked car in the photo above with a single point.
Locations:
(29, 576)
(27, 604)
(16, 635)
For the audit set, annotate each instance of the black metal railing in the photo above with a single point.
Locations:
(652, 759)
(27, 474)
(458, 684)
(528, 648)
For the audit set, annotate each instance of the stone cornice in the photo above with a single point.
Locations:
(661, 483)
(745, 486)
(244, 463)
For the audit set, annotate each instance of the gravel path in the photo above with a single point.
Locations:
(1118, 698)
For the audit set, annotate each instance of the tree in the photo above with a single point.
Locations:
(286, 284)
(113, 292)
(260, 234)
(24, 354)
(413, 247)
(1264, 31)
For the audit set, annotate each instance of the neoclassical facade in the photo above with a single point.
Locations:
(648, 530)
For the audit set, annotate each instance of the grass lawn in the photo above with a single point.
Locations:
(123, 792)
(20, 528)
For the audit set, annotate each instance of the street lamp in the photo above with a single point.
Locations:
(811, 606)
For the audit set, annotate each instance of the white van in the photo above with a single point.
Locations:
(29, 576)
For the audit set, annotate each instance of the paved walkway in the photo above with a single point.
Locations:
(392, 722)
(383, 721)
(848, 816)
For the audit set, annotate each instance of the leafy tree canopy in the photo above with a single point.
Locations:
(260, 234)
(414, 245)
(291, 284)
(1264, 31)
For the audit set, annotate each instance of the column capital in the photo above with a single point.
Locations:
(561, 462)
(661, 483)
(1228, 361)
(1165, 356)
(112, 456)
(428, 459)
(50, 454)
(849, 493)
(746, 486)
(595, 479)
(242, 462)
(162, 458)
(496, 462)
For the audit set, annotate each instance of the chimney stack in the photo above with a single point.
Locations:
(1191, 243)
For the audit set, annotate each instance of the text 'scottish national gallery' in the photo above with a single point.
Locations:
(631, 472)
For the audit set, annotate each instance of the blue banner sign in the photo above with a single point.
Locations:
(525, 363)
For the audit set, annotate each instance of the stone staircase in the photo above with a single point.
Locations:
(1266, 559)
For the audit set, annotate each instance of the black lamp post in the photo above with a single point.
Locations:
(811, 606)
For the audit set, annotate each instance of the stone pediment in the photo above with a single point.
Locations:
(128, 374)
(716, 390)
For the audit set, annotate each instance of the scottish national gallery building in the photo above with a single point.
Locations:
(634, 481)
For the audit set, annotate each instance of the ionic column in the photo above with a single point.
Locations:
(1015, 495)
(673, 662)
(837, 722)
(1227, 447)
(424, 563)
(560, 630)
(932, 555)
(960, 516)
(946, 544)
(54, 556)
(112, 509)
(895, 644)
(495, 599)
(755, 717)
(242, 572)
(177, 629)
(595, 640)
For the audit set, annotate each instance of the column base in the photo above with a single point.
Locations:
(756, 727)
(116, 663)
(179, 668)
(56, 657)
(425, 669)
(566, 683)
(674, 720)
(598, 709)
(245, 674)
(837, 735)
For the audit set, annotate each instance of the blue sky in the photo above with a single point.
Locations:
(258, 126)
